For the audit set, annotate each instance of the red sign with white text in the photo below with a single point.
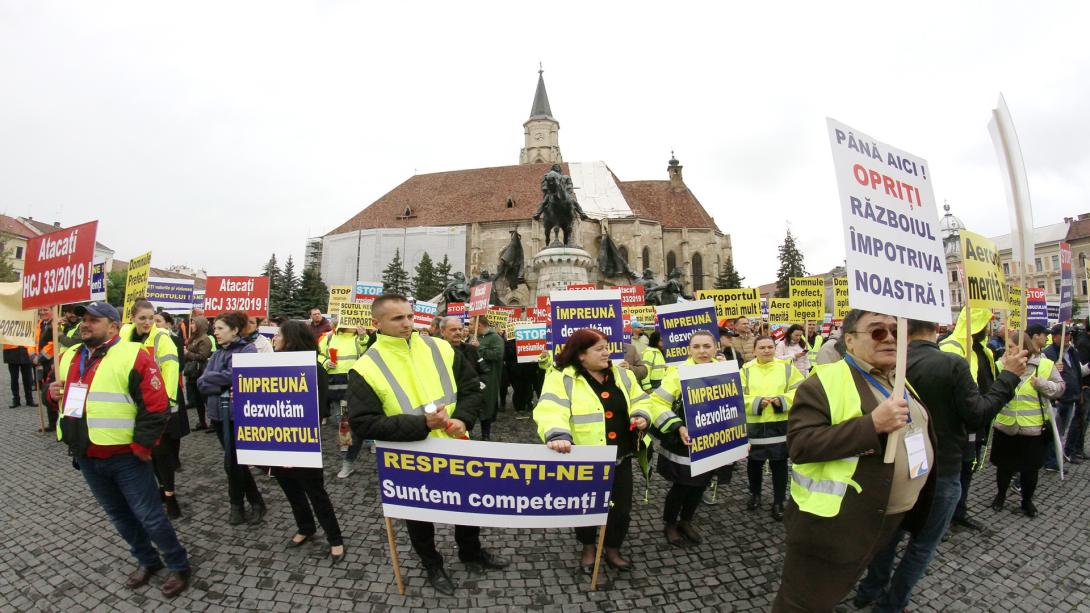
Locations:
(543, 302)
(247, 294)
(58, 266)
(478, 298)
(631, 295)
(582, 286)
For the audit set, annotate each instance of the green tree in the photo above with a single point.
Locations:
(115, 287)
(426, 284)
(312, 291)
(442, 273)
(791, 265)
(7, 271)
(728, 276)
(289, 285)
(394, 278)
(277, 298)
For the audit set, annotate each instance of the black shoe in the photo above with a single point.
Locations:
(14, 403)
(292, 543)
(486, 560)
(945, 536)
(673, 535)
(438, 578)
(777, 511)
(604, 582)
(968, 523)
(337, 557)
(1074, 459)
(1028, 509)
(754, 502)
(32, 404)
(689, 532)
(238, 516)
(997, 504)
(257, 513)
(173, 510)
(860, 601)
(141, 576)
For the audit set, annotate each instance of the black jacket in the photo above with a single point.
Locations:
(369, 421)
(945, 385)
(1072, 372)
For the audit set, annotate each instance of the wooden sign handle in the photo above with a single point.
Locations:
(894, 438)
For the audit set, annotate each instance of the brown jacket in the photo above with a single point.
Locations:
(810, 438)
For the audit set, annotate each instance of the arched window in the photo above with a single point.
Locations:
(624, 254)
(698, 272)
(646, 259)
(671, 263)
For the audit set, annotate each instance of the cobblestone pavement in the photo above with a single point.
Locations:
(60, 552)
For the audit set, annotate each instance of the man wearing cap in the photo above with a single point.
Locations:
(639, 338)
(1072, 372)
(114, 406)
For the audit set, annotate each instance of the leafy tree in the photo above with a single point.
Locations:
(289, 285)
(394, 278)
(115, 287)
(426, 284)
(791, 265)
(728, 276)
(312, 291)
(7, 271)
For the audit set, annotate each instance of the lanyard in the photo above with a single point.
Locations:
(874, 382)
(86, 353)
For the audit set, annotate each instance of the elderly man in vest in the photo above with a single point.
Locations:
(846, 502)
(114, 406)
(388, 390)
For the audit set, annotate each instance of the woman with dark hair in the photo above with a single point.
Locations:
(197, 352)
(215, 385)
(588, 401)
(674, 465)
(305, 487)
(656, 363)
(794, 348)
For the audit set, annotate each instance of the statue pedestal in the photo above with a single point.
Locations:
(559, 266)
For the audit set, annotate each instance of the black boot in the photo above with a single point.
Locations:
(173, 510)
(997, 503)
(690, 532)
(673, 536)
(754, 502)
(777, 511)
(238, 515)
(257, 513)
(15, 402)
(1028, 509)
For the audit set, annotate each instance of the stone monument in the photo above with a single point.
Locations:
(562, 261)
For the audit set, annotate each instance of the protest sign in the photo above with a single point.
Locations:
(543, 301)
(457, 309)
(631, 295)
(16, 325)
(365, 292)
(1014, 308)
(529, 341)
(198, 299)
(643, 314)
(895, 258)
(715, 414)
(275, 409)
(579, 286)
(984, 278)
(268, 331)
(576, 309)
(423, 314)
(841, 301)
(338, 295)
(677, 322)
(734, 303)
(247, 294)
(478, 299)
(1036, 310)
(1067, 284)
(498, 317)
(779, 311)
(136, 283)
(175, 296)
(98, 281)
(355, 315)
(807, 299)
(502, 485)
(57, 268)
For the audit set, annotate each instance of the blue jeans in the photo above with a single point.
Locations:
(894, 595)
(1063, 416)
(125, 488)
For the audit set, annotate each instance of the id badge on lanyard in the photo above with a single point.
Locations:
(75, 400)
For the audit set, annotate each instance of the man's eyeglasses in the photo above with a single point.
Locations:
(880, 334)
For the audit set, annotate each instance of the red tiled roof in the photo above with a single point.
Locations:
(673, 208)
(1079, 228)
(10, 225)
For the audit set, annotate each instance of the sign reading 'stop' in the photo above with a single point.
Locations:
(58, 266)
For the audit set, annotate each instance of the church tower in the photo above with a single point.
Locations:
(541, 130)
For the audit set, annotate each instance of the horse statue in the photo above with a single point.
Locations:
(558, 208)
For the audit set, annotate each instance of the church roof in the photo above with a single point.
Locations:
(671, 207)
(541, 99)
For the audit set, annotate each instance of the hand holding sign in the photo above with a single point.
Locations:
(890, 415)
(560, 445)
(436, 417)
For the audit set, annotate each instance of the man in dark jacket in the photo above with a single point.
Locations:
(371, 419)
(1071, 371)
(954, 402)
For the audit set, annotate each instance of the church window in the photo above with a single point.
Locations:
(646, 258)
(510, 203)
(671, 262)
(698, 272)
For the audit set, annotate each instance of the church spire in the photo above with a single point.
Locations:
(541, 98)
(541, 131)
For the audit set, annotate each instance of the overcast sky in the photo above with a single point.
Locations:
(274, 121)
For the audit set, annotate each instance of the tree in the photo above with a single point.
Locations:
(7, 271)
(115, 287)
(289, 286)
(426, 284)
(312, 291)
(277, 297)
(728, 276)
(442, 273)
(791, 265)
(394, 278)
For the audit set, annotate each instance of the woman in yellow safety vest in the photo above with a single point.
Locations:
(1021, 430)
(768, 386)
(685, 494)
(588, 401)
(656, 363)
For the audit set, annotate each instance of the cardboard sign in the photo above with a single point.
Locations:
(479, 296)
(136, 283)
(643, 314)
(841, 299)
(1067, 284)
(365, 292)
(1036, 309)
(16, 325)
(247, 294)
(98, 281)
(715, 414)
(1014, 307)
(734, 303)
(807, 299)
(338, 295)
(424, 313)
(354, 315)
(275, 409)
(57, 268)
(983, 272)
(678, 322)
(530, 341)
(895, 258)
(779, 311)
(175, 296)
(578, 309)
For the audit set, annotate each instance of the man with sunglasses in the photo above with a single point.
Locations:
(846, 502)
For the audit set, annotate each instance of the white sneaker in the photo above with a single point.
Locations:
(347, 468)
(373, 449)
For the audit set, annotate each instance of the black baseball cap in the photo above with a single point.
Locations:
(99, 309)
(1058, 329)
(1034, 329)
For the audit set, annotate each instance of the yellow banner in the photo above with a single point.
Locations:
(1014, 306)
(645, 314)
(338, 295)
(136, 283)
(983, 272)
(497, 318)
(355, 316)
(840, 298)
(779, 311)
(16, 325)
(807, 299)
(734, 303)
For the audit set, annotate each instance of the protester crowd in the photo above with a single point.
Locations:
(820, 411)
